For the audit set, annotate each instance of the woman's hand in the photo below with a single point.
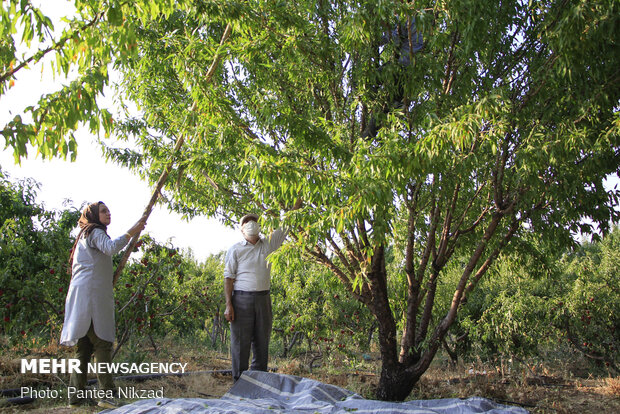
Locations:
(137, 228)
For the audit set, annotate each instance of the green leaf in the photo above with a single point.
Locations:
(115, 16)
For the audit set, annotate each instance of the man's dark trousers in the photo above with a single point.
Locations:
(251, 329)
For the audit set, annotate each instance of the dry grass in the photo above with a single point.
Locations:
(612, 387)
(538, 388)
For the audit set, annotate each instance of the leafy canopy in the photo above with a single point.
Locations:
(504, 121)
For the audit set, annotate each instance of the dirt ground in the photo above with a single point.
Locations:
(193, 386)
(538, 391)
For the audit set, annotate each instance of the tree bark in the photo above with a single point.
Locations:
(396, 382)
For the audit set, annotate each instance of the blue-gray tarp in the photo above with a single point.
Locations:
(264, 392)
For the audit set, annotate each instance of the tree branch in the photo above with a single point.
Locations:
(176, 150)
(56, 46)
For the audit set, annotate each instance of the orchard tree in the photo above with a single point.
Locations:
(443, 130)
(586, 312)
(310, 307)
(535, 299)
(168, 292)
(511, 313)
(81, 50)
(34, 251)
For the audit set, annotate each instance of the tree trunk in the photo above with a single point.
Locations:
(396, 382)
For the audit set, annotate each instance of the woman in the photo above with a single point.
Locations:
(89, 306)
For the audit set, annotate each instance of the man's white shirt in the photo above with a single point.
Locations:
(246, 262)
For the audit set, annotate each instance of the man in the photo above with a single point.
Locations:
(407, 41)
(248, 303)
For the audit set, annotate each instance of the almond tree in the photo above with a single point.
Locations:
(442, 129)
(503, 122)
(80, 52)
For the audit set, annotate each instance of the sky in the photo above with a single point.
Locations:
(90, 178)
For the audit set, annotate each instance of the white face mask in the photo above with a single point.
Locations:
(250, 229)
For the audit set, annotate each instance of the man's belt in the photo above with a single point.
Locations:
(253, 293)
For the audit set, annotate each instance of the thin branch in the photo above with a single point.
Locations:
(450, 70)
(458, 232)
(491, 258)
(442, 258)
(340, 255)
(164, 175)
(363, 296)
(412, 208)
(430, 246)
(57, 46)
(355, 256)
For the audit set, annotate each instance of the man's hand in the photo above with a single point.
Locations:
(229, 313)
